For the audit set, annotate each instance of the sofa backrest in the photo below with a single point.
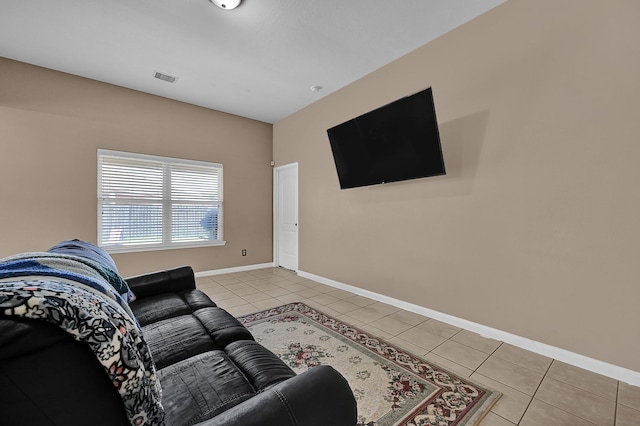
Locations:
(48, 378)
(168, 281)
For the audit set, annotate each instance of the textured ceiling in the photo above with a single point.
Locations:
(257, 61)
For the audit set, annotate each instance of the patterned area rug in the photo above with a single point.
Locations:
(391, 386)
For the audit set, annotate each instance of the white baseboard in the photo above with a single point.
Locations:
(234, 269)
(619, 373)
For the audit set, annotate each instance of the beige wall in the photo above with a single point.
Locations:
(51, 125)
(534, 229)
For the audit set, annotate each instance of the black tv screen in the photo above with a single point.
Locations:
(398, 141)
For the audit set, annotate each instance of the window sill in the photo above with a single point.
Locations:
(158, 247)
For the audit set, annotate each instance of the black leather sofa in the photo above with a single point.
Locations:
(211, 370)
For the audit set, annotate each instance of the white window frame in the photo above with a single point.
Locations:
(167, 203)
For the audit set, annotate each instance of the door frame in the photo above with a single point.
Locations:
(276, 213)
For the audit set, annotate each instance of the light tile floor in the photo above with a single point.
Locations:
(536, 390)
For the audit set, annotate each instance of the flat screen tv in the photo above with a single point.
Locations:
(398, 141)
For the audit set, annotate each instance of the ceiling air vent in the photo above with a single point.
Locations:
(164, 77)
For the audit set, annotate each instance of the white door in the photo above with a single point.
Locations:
(286, 216)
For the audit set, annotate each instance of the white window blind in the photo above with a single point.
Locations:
(148, 202)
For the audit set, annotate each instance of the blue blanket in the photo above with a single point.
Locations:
(86, 300)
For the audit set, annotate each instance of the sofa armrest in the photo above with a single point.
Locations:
(318, 397)
(167, 281)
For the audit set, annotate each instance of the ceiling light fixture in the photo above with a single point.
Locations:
(226, 4)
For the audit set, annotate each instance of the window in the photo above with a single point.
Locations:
(147, 202)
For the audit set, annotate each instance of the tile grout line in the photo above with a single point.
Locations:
(536, 391)
(615, 405)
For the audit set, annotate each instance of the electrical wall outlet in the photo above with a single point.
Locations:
(244, 252)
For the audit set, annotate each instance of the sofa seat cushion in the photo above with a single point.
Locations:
(179, 337)
(167, 305)
(222, 326)
(261, 366)
(175, 339)
(202, 387)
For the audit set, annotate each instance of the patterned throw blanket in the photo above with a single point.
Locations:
(89, 301)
